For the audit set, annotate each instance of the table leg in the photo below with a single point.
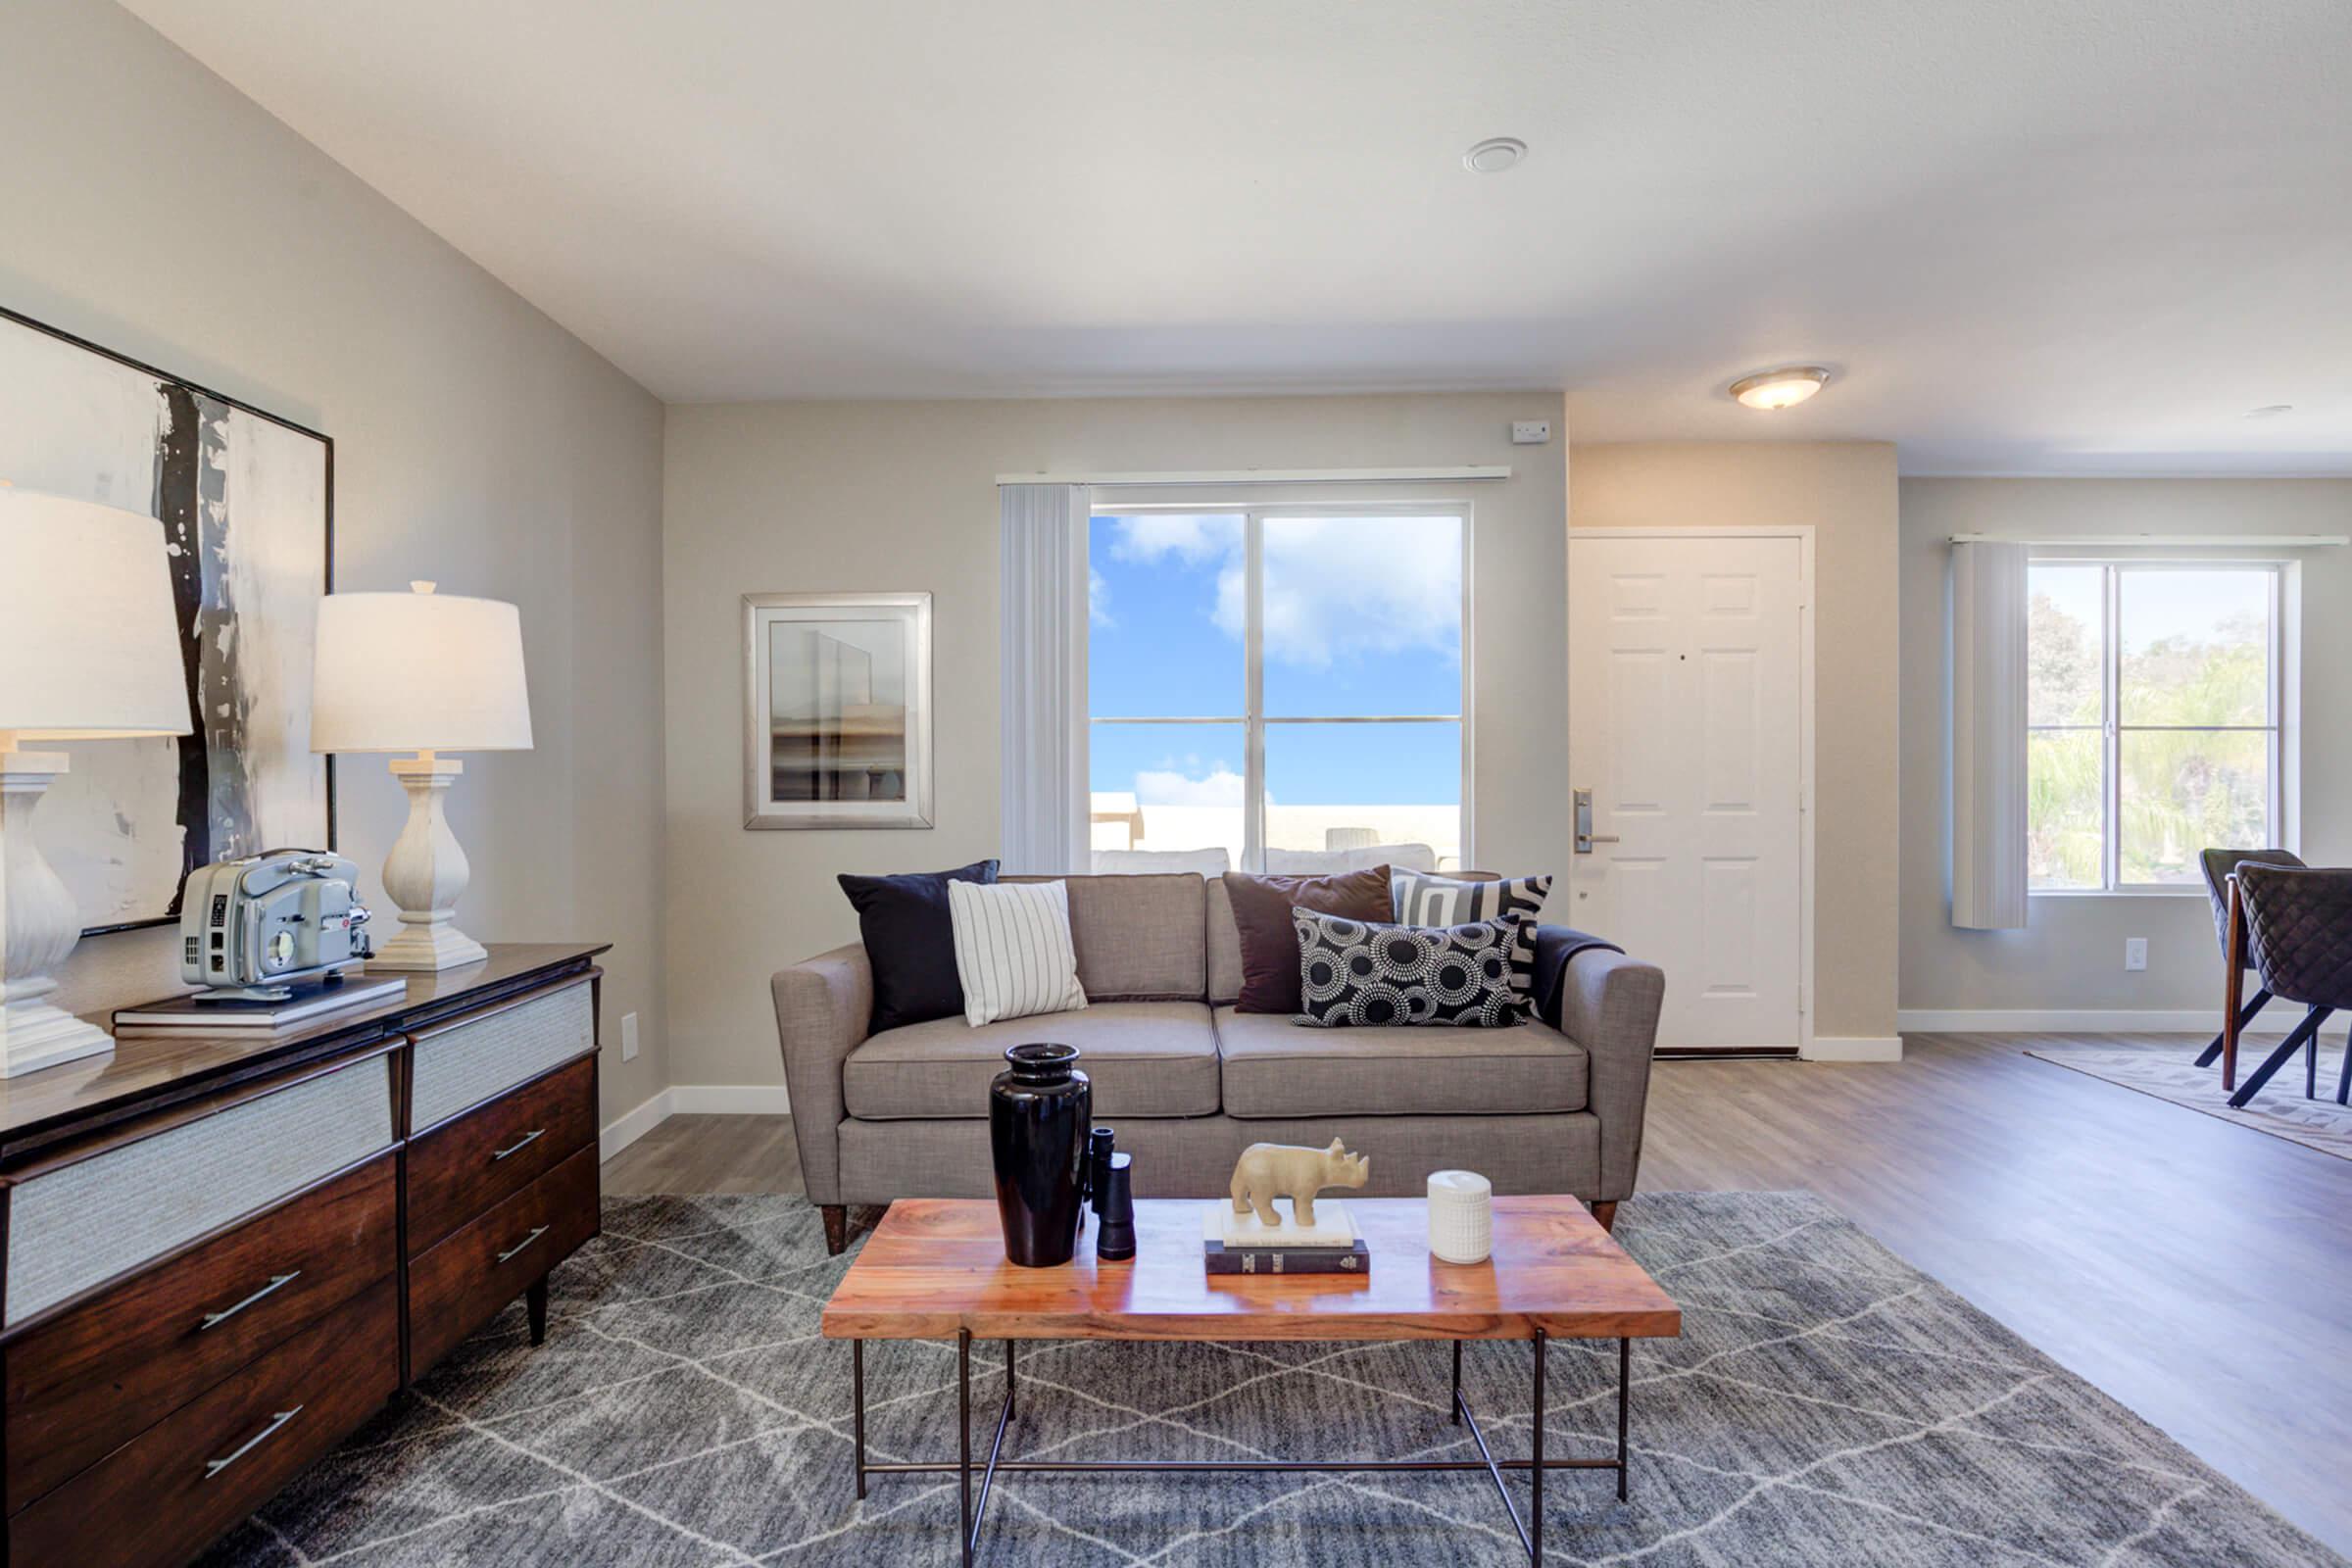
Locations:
(963, 1442)
(1458, 1375)
(2233, 986)
(858, 1409)
(1535, 1508)
(1625, 1385)
(1009, 1345)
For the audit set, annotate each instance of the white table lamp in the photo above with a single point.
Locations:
(420, 673)
(89, 650)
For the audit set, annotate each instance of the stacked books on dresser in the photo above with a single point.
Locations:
(1242, 1244)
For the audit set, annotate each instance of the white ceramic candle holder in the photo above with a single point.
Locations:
(1462, 1222)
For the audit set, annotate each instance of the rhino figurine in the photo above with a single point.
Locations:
(1267, 1171)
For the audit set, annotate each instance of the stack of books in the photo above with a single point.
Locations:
(1241, 1244)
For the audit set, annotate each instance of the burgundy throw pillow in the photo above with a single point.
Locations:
(1262, 910)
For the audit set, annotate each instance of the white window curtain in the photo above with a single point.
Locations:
(1043, 552)
(1988, 698)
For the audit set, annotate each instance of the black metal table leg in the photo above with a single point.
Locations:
(1535, 1506)
(858, 1409)
(1457, 1363)
(1624, 1385)
(1009, 1345)
(963, 1441)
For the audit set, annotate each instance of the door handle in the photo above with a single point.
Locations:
(1585, 838)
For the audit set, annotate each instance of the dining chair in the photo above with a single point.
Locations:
(2217, 864)
(2298, 934)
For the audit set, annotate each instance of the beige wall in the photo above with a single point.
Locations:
(2071, 956)
(153, 208)
(1846, 492)
(837, 496)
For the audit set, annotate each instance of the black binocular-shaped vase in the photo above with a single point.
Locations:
(1040, 1110)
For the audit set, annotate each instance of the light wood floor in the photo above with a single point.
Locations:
(2199, 1272)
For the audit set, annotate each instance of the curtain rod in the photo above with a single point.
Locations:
(1255, 476)
(2201, 541)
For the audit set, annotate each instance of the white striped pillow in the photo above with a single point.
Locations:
(1012, 949)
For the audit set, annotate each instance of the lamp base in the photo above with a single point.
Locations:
(34, 1035)
(427, 950)
(424, 874)
(37, 928)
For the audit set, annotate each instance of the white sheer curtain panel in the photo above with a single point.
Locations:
(1043, 546)
(1987, 696)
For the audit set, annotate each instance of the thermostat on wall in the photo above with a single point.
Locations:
(1529, 432)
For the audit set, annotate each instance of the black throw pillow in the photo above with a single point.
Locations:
(911, 942)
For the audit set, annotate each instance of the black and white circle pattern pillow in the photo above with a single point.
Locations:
(1360, 975)
(1422, 898)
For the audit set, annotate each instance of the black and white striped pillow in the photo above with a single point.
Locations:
(1013, 952)
(1421, 899)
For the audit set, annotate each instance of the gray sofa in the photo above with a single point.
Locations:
(1189, 1082)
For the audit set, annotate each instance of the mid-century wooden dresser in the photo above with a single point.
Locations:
(221, 1257)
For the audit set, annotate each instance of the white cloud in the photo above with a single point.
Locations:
(1342, 587)
(1156, 786)
(1098, 600)
(1192, 539)
(1337, 588)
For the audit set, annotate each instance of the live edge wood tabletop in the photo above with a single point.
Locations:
(937, 1266)
(222, 1254)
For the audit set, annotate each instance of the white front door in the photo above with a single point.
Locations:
(1684, 719)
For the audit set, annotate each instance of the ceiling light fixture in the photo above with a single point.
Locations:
(1779, 389)
(1495, 155)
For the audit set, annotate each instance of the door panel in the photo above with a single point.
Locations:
(1685, 715)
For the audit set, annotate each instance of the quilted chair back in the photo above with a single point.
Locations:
(2217, 866)
(2300, 931)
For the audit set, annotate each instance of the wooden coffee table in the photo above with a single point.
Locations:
(935, 1269)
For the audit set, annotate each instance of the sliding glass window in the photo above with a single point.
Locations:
(1279, 681)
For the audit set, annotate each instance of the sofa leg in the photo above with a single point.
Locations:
(1606, 1214)
(837, 1227)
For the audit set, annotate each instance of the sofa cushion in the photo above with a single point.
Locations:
(1261, 909)
(1139, 938)
(1145, 1059)
(1273, 1068)
(1224, 938)
(911, 942)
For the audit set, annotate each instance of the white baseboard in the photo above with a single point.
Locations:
(1855, 1047)
(729, 1099)
(691, 1099)
(633, 1124)
(2070, 1021)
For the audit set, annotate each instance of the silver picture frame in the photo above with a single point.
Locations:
(837, 710)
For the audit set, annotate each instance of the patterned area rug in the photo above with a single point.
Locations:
(2170, 1072)
(1827, 1404)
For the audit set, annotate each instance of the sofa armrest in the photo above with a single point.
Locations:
(1609, 1006)
(822, 1006)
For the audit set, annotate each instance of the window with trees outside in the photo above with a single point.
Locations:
(2153, 701)
(1278, 678)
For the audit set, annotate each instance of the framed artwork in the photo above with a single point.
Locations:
(244, 502)
(837, 710)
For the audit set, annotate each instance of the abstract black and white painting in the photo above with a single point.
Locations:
(241, 500)
(837, 710)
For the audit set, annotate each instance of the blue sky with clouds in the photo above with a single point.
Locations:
(1363, 615)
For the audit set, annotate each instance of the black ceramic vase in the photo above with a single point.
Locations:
(1039, 1111)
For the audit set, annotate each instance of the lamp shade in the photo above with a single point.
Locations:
(419, 672)
(89, 638)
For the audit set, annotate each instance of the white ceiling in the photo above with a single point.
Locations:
(2029, 236)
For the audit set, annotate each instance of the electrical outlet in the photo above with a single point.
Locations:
(2136, 952)
(1529, 432)
(628, 1037)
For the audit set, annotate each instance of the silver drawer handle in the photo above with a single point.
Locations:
(520, 1246)
(215, 1467)
(278, 1282)
(520, 1145)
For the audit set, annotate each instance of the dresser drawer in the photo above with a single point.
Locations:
(159, 1498)
(457, 1286)
(479, 1159)
(461, 1063)
(83, 1223)
(105, 1371)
